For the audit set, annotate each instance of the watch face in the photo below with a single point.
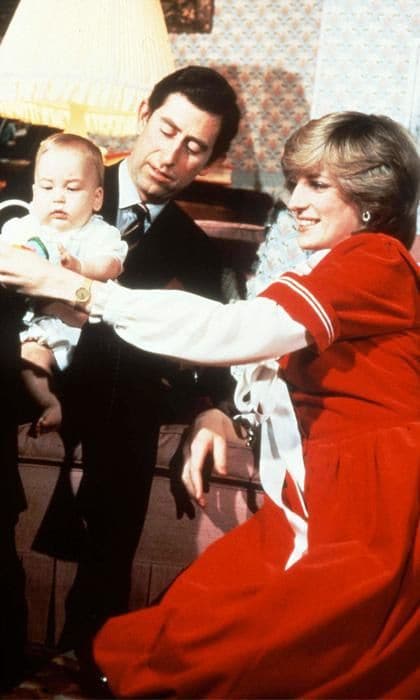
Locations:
(82, 295)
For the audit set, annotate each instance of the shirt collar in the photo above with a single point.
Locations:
(128, 194)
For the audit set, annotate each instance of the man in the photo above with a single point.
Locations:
(118, 397)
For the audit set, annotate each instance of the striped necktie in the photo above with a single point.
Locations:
(135, 229)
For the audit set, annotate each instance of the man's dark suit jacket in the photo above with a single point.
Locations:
(173, 252)
(118, 396)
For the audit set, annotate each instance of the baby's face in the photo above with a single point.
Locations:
(65, 190)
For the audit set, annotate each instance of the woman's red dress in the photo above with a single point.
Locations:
(344, 621)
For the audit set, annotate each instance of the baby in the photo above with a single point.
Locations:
(62, 226)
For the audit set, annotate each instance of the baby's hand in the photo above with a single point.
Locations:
(67, 260)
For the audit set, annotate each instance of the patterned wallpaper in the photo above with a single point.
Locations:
(267, 49)
(290, 59)
(366, 57)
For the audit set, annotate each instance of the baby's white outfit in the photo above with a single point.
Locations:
(95, 238)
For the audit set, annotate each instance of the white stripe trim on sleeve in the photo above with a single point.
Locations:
(313, 302)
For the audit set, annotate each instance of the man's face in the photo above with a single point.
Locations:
(174, 145)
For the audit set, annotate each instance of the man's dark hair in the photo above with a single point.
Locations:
(208, 90)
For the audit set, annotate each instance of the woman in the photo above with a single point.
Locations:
(317, 594)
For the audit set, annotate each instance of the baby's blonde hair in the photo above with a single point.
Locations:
(85, 147)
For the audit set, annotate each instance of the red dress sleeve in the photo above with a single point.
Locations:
(367, 285)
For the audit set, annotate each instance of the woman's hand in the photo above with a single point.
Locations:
(22, 269)
(208, 436)
(31, 275)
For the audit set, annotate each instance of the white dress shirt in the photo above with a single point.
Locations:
(128, 196)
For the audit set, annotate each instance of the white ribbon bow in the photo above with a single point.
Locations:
(262, 395)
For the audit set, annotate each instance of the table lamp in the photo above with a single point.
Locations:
(82, 65)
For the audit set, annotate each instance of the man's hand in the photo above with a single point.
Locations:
(207, 438)
(64, 312)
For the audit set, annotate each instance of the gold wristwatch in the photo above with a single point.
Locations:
(83, 293)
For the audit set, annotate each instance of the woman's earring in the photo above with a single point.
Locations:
(366, 217)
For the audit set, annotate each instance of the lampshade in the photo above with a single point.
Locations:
(82, 65)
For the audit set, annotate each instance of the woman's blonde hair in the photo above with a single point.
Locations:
(86, 147)
(373, 162)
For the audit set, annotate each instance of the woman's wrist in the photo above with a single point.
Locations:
(83, 295)
(66, 286)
